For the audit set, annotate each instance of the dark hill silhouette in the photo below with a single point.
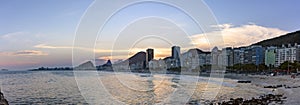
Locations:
(290, 38)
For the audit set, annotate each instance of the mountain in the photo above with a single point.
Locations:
(86, 66)
(290, 38)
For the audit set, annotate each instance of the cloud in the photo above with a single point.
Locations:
(44, 46)
(16, 38)
(12, 35)
(24, 39)
(103, 60)
(30, 52)
(236, 36)
(24, 53)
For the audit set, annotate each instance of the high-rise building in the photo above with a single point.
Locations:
(254, 55)
(216, 55)
(270, 56)
(190, 59)
(205, 58)
(194, 58)
(238, 55)
(176, 52)
(242, 55)
(227, 54)
(150, 54)
(297, 52)
(176, 55)
(288, 53)
(217, 61)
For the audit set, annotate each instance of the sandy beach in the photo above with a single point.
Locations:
(289, 89)
(138, 89)
(259, 86)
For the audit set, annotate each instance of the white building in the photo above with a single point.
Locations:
(289, 53)
(227, 54)
(190, 59)
(298, 53)
(217, 59)
(157, 64)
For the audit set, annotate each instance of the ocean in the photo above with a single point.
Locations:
(92, 87)
(40, 87)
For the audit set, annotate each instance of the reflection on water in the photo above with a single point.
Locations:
(28, 87)
(60, 87)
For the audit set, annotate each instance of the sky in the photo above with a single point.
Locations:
(35, 33)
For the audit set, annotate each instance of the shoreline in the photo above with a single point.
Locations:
(229, 88)
(262, 85)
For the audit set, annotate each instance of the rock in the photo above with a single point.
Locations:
(3, 101)
(193, 102)
(275, 86)
(243, 81)
(262, 100)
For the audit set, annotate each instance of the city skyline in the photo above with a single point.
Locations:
(35, 34)
(269, 56)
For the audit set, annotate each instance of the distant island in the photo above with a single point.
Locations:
(84, 66)
(4, 69)
(52, 69)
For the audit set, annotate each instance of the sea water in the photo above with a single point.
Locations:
(67, 87)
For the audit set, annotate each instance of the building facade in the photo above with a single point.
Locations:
(194, 59)
(215, 54)
(176, 55)
(190, 59)
(254, 55)
(270, 56)
(176, 52)
(159, 65)
(149, 56)
(238, 55)
(298, 53)
(287, 53)
(170, 62)
(227, 54)
(217, 61)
